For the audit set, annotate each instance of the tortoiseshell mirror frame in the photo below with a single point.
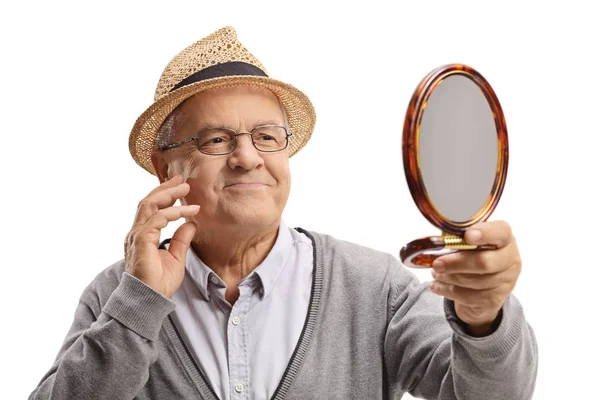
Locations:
(452, 231)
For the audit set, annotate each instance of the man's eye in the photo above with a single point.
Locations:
(265, 137)
(214, 140)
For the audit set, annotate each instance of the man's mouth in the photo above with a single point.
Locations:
(245, 185)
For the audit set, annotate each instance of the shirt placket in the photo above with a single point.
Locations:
(237, 341)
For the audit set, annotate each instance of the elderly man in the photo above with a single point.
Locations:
(238, 306)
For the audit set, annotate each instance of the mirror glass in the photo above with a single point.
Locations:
(457, 148)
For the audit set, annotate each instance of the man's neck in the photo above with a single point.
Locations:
(234, 255)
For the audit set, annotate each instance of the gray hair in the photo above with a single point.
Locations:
(166, 132)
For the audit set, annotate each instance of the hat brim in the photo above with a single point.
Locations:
(299, 110)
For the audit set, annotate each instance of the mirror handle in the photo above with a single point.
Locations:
(412, 255)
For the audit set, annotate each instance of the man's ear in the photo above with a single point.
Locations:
(161, 168)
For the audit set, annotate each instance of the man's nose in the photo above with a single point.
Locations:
(245, 155)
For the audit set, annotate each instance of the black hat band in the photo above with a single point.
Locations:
(231, 68)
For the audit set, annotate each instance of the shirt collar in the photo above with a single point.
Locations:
(268, 271)
(200, 273)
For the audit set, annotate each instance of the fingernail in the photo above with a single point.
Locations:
(433, 286)
(438, 265)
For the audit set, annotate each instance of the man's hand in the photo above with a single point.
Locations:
(479, 281)
(162, 270)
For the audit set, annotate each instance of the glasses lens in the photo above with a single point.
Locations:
(270, 137)
(216, 141)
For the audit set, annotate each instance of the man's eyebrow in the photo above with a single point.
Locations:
(259, 122)
(208, 125)
(270, 122)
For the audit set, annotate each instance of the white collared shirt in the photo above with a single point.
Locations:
(244, 350)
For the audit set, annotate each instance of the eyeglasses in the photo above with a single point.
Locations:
(222, 141)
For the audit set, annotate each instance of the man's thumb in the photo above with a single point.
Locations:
(180, 242)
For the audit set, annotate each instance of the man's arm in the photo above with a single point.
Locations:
(485, 349)
(108, 351)
(110, 347)
(433, 357)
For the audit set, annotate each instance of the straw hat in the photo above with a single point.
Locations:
(216, 61)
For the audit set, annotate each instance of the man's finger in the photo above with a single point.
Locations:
(159, 200)
(489, 298)
(478, 261)
(471, 281)
(161, 218)
(497, 233)
(180, 242)
(174, 181)
(168, 196)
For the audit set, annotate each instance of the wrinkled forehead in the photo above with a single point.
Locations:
(234, 102)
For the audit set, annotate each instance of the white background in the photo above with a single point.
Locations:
(74, 77)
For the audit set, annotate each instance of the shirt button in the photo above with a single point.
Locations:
(214, 280)
(235, 321)
(239, 388)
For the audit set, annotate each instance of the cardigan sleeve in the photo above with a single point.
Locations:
(428, 353)
(110, 347)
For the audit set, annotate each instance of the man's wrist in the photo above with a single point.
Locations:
(485, 329)
(138, 307)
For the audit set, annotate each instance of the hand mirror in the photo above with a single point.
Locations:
(455, 154)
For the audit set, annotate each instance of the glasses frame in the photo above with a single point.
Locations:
(235, 139)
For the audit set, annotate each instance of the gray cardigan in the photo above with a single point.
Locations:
(372, 331)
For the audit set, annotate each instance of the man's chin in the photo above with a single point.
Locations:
(250, 217)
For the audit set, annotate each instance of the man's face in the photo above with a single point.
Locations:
(246, 188)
